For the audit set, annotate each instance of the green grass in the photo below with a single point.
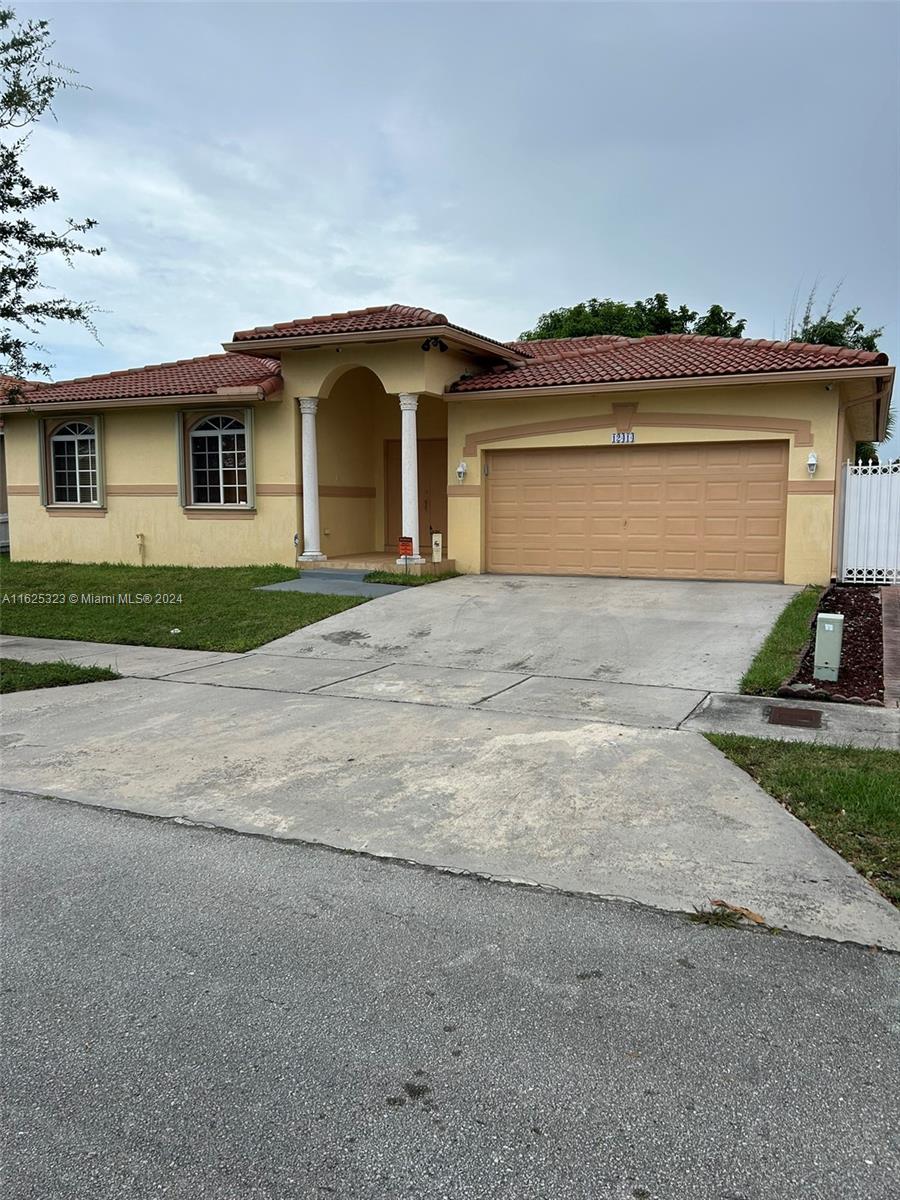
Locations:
(218, 609)
(851, 798)
(780, 652)
(18, 676)
(403, 580)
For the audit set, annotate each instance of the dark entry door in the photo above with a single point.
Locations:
(432, 492)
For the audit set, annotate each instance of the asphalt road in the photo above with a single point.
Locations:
(201, 1015)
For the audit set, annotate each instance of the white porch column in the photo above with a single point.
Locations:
(312, 550)
(409, 475)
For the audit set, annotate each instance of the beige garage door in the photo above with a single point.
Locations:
(713, 510)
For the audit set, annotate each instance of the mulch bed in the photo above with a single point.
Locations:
(861, 677)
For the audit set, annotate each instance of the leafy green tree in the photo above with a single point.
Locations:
(826, 329)
(640, 319)
(29, 81)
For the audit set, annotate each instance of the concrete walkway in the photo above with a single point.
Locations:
(639, 706)
(839, 724)
(145, 662)
(335, 583)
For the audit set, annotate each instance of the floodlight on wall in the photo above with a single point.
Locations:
(462, 470)
(811, 463)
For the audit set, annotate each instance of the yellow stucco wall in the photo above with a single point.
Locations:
(358, 411)
(140, 450)
(808, 550)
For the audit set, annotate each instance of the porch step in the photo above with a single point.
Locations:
(356, 566)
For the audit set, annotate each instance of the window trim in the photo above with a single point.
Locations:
(186, 422)
(47, 430)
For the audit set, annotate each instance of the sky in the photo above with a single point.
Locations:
(250, 163)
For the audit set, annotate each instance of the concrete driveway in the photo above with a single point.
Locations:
(660, 633)
(519, 729)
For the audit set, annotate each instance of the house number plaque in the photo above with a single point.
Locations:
(622, 439)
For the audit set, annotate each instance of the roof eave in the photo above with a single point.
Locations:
(267, 347)
(824, 375)
(254, 395)
(885, 393)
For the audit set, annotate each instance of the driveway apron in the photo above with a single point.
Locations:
(418, 727)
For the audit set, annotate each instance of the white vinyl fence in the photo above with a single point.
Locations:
(870, 538)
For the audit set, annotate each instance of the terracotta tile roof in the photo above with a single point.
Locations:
(187, 377)
(381, 319)
(357, 320)
(551, 347)
(664, 356)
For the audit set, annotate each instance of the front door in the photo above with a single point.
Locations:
(432, 493)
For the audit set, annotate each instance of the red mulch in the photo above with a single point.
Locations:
(861, 677)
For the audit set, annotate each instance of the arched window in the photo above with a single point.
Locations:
(73, 463)
(219, 461)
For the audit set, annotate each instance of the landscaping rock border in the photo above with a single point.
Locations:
(861, 677)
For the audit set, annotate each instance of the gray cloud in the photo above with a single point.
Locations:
(255, 162)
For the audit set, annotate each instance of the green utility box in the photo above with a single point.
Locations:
(829, 636)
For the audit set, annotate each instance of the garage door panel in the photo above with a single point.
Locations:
(722, 491)
(607, 493)
(642, 527)
(687, 510)
(720, 527)
(644, 492)
(760, 491)
(683, 491)
(764, 527)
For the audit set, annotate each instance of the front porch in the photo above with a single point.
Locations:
(373, 471)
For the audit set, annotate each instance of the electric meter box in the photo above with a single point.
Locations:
(829, 636)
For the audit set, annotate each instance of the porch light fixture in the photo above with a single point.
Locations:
(811, 463)
(462, 470)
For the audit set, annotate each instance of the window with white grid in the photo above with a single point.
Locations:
(73, 464)
(218, 458)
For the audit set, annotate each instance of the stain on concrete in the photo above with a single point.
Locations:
(345, 637)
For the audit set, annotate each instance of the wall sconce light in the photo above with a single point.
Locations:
(462, 470)
(811, 463)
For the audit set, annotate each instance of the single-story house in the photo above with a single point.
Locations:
(328, 439)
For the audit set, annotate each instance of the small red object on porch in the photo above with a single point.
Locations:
(405, 547)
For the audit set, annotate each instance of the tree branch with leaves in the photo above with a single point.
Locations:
(29, 82)
(825, 329)
(640, 319)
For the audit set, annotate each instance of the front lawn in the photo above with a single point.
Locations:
(851, 798)
(779, 655)
(18, 676)
(192, 608)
